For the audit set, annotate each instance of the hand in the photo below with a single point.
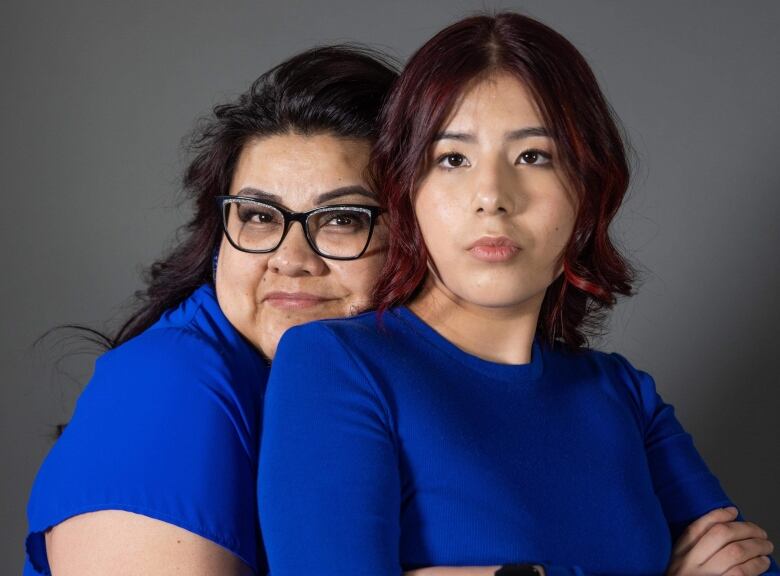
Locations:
(717, 545)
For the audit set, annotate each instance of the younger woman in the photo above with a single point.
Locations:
(472, 426)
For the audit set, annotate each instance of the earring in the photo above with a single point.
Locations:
(214, 258)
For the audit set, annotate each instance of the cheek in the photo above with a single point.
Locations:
(556, 232)
(557, 220)
(239, 276)
(356, 279)
(439, 220)
(567, 216)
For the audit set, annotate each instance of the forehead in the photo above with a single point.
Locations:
(300, 167)
(497, 98)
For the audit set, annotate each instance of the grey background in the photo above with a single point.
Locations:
(96, 98)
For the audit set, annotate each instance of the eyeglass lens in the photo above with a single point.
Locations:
(342, 232)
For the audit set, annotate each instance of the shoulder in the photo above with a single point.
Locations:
(365, 324)
(170, 378)
(197, 325)
(638, 382)
(364, 345)
(167, 427)
(633, 386)
(328, 362)
(332, 336)
(610, 373)
(180, 371)
(590, 362)
(190, 344)
(362, 335)
(167, 348)
(163, 364)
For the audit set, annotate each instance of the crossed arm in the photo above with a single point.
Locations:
(714, 544)
(128, 544)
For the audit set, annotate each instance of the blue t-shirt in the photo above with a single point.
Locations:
(388, 449)
(168, 427)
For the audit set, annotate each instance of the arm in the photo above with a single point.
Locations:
(328, 485)
(124, 544)
(686, 488)
(712, 544)
(708, 539)
(156, 434)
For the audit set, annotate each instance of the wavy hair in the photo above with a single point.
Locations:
(591, 147)
(335, 89)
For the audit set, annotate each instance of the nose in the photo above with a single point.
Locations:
(495, 191)
(294, 257)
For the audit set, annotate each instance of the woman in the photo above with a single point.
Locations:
(472, 427)
(156, 472)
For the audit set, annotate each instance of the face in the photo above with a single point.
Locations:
(494, 209)
(264, 294)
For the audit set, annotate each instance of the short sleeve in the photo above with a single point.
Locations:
(328, 485)
(161, 430)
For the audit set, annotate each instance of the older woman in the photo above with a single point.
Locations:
(155, 474)
(473, 426)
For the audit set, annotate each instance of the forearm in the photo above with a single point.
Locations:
(454, 571)
(543, 570)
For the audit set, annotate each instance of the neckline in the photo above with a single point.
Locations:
(513, 373)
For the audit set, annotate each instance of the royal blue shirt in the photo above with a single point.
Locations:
(168, 427)
(391, 449)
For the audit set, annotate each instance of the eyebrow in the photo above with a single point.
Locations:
(511, 135)
(346, 191)
(527, 133)
(259, 194)
(460, 136)
(324, 197)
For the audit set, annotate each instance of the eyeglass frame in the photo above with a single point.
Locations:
(302, 217)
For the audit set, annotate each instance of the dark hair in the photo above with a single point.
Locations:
(334, 89)
(592, 156)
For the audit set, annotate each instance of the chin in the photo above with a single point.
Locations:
(490, 297)
(283, 320)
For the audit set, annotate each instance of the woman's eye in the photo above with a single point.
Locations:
(452, 160)
(257, 215)
(536, 157)
(262, 217)
(340, 220)
(340, 223)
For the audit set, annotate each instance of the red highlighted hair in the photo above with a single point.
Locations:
(592, 155)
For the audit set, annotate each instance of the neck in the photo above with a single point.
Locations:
(497, 334)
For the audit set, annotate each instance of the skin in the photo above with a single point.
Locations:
(126, 544)
(485, 181)
(298, 170)
(716, 544)
(712, 544)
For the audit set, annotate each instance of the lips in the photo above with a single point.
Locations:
(494, 249)
(294, 300)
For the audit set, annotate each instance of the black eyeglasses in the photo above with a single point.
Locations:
(340, 232)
